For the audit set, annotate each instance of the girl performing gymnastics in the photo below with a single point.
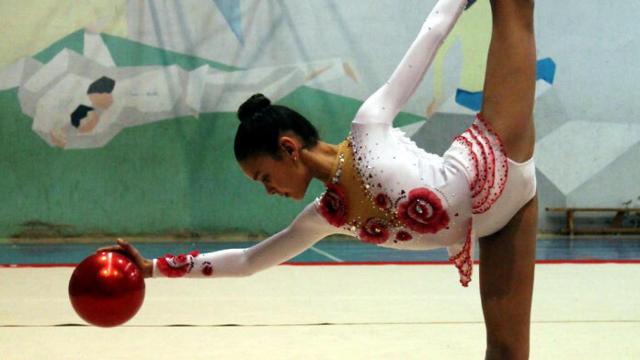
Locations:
(384, 190)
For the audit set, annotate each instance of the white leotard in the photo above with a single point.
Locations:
(422, 201)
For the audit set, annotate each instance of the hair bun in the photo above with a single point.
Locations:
(255, 104)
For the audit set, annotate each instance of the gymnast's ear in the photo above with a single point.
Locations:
(289, 146)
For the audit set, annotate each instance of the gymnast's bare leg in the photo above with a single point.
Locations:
(507, 258)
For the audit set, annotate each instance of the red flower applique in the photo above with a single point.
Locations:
(423, 212)
(383, 201)
(374, 231)
(207, 270)
(171, 268)
(333, 206)
(176, 266)
(180, 259)
(403, 236)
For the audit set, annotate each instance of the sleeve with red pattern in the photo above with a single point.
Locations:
(306, 230)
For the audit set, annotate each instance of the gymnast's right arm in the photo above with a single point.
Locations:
(308, 228)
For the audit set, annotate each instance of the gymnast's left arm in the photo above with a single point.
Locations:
(387, 101)
(307, 229)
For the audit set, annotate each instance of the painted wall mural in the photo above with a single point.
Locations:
(81, 101)
(147, 90)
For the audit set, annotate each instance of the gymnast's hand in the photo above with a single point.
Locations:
(123, 247)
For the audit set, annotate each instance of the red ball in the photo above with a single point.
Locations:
(106, 289)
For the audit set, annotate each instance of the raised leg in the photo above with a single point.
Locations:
(507, 262)
(509, 87)
(507, 258)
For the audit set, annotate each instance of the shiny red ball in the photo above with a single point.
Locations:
(106, 289)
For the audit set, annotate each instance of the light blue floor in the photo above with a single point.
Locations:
(612, 248)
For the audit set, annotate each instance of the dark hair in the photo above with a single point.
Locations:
(101, 86)
(261, 125)
(78, 114)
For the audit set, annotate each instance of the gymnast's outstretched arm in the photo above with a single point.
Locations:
(386, 102)
(306, 230)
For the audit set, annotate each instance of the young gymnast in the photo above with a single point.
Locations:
(383, 189)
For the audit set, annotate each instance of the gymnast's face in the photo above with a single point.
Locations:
(284, 175)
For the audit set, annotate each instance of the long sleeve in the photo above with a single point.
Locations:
(386, 102)
(306, 230)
